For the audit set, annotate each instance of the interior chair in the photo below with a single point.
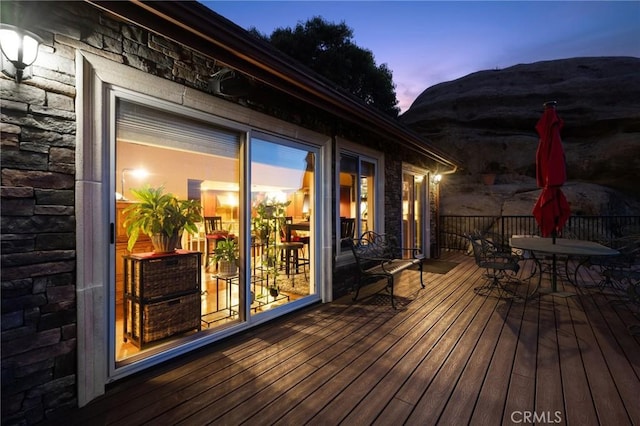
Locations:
(292, 251)
(214, 234)
(347, 231)
(212, 223)
(500, 266)
(304, 239)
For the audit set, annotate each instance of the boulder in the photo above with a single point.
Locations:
(517, 195)
(489, 117)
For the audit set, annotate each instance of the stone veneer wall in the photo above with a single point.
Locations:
(393, 197)
(38, 238)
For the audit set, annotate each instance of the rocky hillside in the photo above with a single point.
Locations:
(489, 117)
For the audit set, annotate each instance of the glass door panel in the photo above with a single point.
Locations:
(282, 234)
(161, 300)
(357, 198)
(419, 211)
(367, 196)
(413, 210)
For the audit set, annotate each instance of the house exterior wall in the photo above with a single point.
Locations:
(38, 238)
(38, 195)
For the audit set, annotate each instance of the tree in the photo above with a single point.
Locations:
(329, 50)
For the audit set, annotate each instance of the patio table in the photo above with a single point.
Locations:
(561, 246)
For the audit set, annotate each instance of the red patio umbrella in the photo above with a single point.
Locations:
(552, 209)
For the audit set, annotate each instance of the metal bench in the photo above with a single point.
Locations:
(378, 257)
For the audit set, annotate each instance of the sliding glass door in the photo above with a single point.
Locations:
(250, 255)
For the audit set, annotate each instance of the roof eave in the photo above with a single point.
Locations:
(194, 25)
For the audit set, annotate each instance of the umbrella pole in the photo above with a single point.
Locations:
(554, 279)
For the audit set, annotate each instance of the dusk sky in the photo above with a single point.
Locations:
(429, 42)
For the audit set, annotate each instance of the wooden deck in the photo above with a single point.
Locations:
(446, 356)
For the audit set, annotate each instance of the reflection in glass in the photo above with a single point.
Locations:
(282, 209)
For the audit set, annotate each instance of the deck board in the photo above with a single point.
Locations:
(549, 398)
(458, 344)
(492, 395)
(603, 366)
(579, 407)
(467, 390)
(447, 356)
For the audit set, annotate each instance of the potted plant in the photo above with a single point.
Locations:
(263, 222)
(226, 254)
(490, 172)
(162, 216)
(267, 222)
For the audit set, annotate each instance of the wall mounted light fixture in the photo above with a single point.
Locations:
(19, 50)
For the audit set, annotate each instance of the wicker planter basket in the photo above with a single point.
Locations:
(226, 268)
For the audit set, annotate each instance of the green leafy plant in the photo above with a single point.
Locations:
(268, 219)
(227, 250)
(157, 213)
(226, 255)
(267, 222)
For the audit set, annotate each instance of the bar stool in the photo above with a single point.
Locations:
(290, 252)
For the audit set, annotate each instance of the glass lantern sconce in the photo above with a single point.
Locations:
(19, 50)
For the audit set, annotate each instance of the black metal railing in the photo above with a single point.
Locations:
(593, 228)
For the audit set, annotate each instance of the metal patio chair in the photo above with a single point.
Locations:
(500, 267)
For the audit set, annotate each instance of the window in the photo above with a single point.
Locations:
(358, 197)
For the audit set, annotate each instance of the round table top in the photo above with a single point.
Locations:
(562, 246)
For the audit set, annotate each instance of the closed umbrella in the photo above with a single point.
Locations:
(552, 209)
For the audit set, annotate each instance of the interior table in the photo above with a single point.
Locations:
(559, 246)
(298, 226)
